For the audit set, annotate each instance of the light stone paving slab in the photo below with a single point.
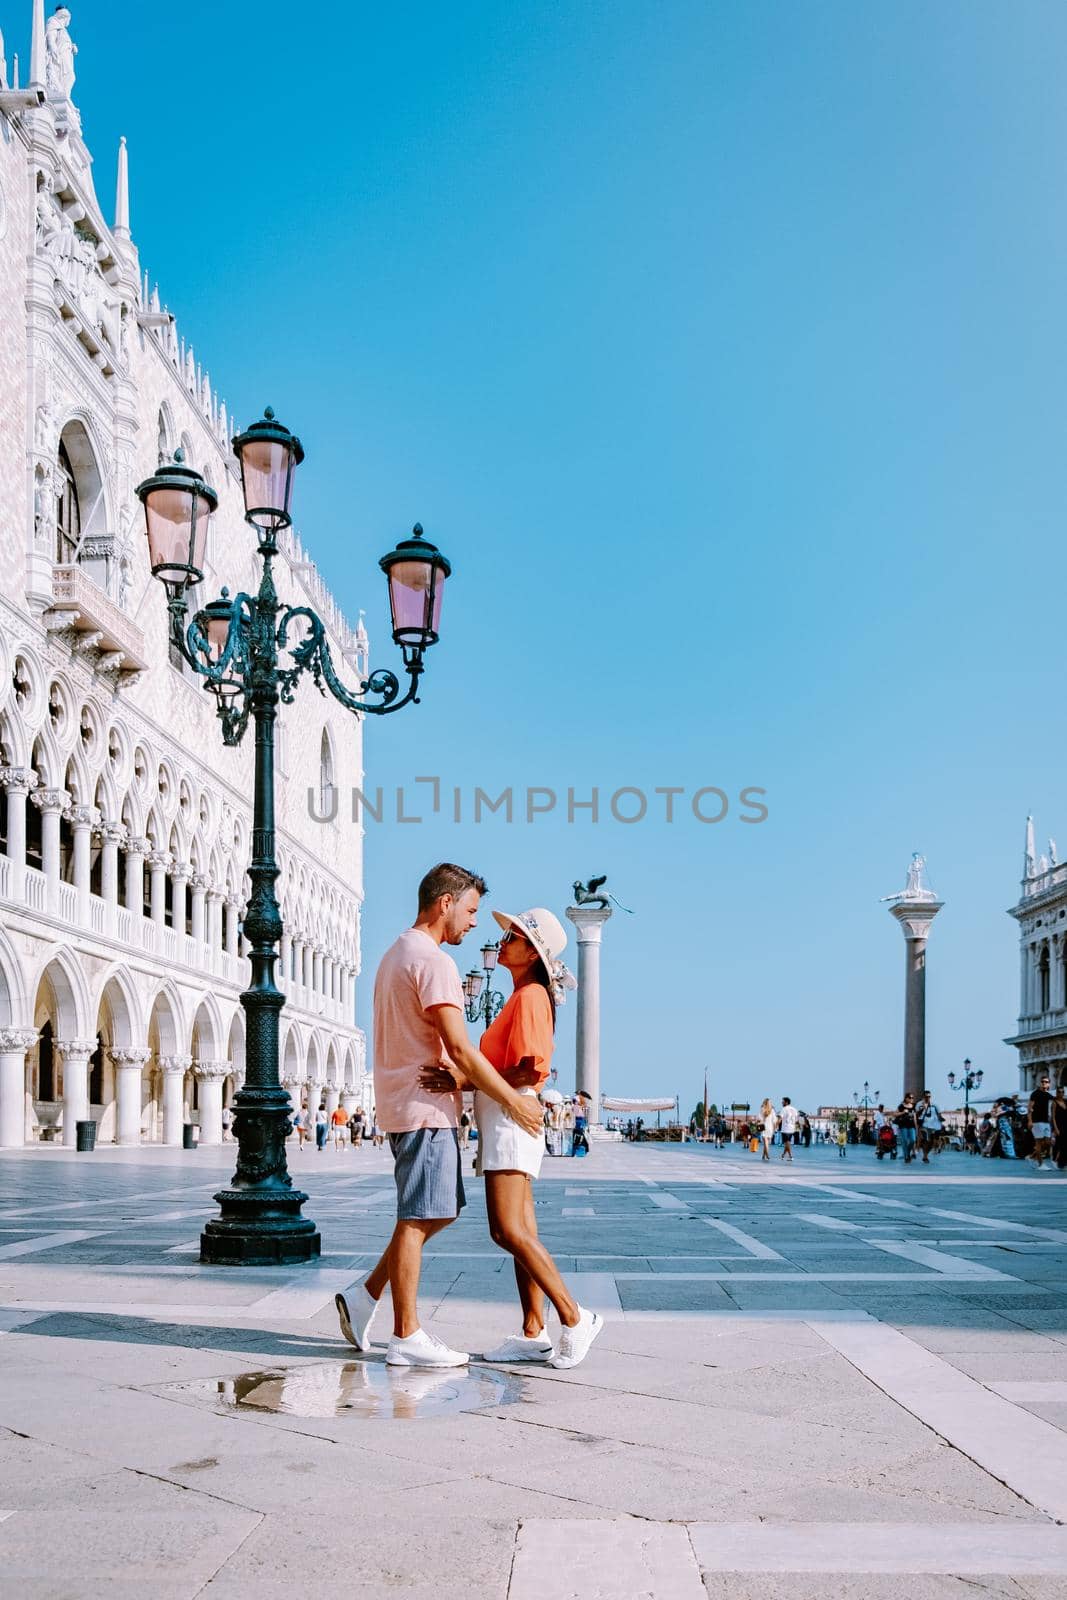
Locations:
(47, 1241)
(938, 1260)
(1030, 1389)
(625, 1559)
(755, 1247)
(669, 1202)
(1023, 1451)
(849, 1547)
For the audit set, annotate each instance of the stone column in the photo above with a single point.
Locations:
(305, 965)
(350, 1100)
(111, 836)
(285, 983)
(589, 922)
(333, 1099)
(174, 1069)
(18, 781)
(180, 873)
(232, 907)
(197, 888)
(316, 972)
(137, 847)
(915, 909)
(51, 803)
(158, 862)
(14, 1042)
(75, 1053)
(214, 923)
(128, 1062)
(82, 820)
(211, 1076)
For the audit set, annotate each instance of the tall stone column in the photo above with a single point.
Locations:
(82, 821)
(589, 922)
(14, 1042)
(111, 836)
(158, 862)
(18, 781)
(232, 907)
(128, 1063)
(76, 1053)
(333, 1099)
(915, 908)
(211, 1076)
(197, 889)
(180, 873)
(51, 803)
(173, 1069)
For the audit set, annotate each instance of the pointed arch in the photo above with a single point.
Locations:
(117, 994)
(59, 973)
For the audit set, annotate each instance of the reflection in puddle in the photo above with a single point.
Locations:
(362, 1388)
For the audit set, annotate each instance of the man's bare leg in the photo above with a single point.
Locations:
(400, 1267)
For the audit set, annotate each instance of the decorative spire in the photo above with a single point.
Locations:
(1030, 863)
(1053, 857)
(122, 195)
(37, 54)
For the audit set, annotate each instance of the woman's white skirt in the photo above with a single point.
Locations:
(502, 1145)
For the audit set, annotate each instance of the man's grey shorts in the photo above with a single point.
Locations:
(429, 1177)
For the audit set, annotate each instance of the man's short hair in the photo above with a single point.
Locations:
(786, 1100)
(447, 878)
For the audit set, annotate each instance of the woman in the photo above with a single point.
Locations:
(519, 1045)
(769, 1119)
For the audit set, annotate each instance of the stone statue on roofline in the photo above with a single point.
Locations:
(60, 51)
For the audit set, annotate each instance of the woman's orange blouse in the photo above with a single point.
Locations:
(523, 1028)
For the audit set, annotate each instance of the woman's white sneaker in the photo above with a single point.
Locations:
(421, 1349)
(356, 1313)
(574, 1342)
(521, 1348)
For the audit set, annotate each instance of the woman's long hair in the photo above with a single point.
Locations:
(540, 975)
(766, 1108)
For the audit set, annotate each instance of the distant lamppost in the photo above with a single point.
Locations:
(483, 1001)
(234, 644)
(970, 1078)
(866, 1099)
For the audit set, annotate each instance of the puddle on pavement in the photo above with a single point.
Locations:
(354, 1388)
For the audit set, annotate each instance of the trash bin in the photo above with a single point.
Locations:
(85, 1133)
(188, 1135)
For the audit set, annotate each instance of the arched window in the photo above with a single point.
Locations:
(68, 511)
(326, 790)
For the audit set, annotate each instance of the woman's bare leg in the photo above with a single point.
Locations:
(505, 1194)
(530, 1296)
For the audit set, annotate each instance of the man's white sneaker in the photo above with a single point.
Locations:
(574, 1342)
(356, 1313)
(521, 1348)
(421, 1349)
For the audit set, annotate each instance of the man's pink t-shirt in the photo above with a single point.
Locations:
(415, 973)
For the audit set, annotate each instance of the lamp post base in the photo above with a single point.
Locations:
(259, 1230)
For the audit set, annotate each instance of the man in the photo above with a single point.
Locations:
(907, 1128)
(1039, 1121)
(928, 1119)
(787, 1124)
(338, 1124)
(418, 1025)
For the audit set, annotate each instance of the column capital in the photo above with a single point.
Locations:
(137, 844)
(83, 817)
(48, 800)
(12, 1039)
(198, 883)
(73, 1048)
(158, 859)
(175, 1066)
(212, 1071)
(129, 1055)
(588, 921)
(181, 870)
(110, 832)
(19, 780)
(915, 917)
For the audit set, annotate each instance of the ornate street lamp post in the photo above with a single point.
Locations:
(970, 1078)
(483, 1001)
(234, 644)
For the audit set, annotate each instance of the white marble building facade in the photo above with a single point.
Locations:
(1041, 912)
(124, 821)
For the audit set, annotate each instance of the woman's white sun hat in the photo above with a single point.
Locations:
(548, 937)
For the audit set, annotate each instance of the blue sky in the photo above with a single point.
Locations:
(721, 347)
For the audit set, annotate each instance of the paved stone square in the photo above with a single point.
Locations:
(832, 1379)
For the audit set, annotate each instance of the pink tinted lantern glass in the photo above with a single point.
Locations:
(415, 613)
(217, 630)
(267, 469)
(477, 981)
(490, 952)
(176, 522)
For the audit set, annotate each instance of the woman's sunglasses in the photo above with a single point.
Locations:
(512, 933)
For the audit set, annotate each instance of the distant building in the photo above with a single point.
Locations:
(124, 821)
(1041, 912)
